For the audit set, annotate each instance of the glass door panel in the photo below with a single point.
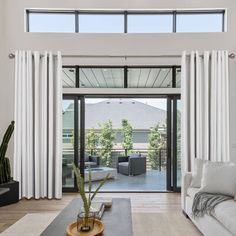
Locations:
(68, 133)
(71, 141)
(176, 144)
(126, 137)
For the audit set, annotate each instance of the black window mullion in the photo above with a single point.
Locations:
(174, 21)
(76, 136)
(76, 21)
(174, 77)
(223, 21)
(125, 77)
(77, 82)
(27, 21)
(176, 188)
(125, 22)
(82, 135)
(169, 186)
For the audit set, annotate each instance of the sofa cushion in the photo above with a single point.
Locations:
(192, 191)
(225, 213)
(197, 173)
(218, 177)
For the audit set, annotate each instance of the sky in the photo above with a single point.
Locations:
(64, 22)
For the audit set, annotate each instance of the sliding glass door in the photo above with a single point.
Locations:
(71, 140)
(97, 131)
(174, 144)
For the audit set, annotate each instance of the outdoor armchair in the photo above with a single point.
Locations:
(134, 165)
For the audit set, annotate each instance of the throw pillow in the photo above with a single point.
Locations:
(219, 177)
(133, 155)
(197, 173)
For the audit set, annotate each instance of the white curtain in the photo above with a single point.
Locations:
(37, 163)
(205, 107)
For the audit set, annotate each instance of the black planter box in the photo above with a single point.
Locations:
(11, 196)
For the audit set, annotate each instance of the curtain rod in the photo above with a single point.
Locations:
(231, 56)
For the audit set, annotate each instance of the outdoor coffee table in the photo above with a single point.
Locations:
(117, 220)
(99, 173)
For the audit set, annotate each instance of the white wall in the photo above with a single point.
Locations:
(113, 44)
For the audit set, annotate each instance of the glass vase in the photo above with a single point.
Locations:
(85, 223)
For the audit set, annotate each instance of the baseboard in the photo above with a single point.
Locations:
(185, 214)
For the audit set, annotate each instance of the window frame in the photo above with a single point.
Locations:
(125, 70)
(199, 12)
(28, 12)
(99, 13)
(126, 13)
(150, 13)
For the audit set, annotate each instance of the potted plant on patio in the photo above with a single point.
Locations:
(86, 218)
(8, 187)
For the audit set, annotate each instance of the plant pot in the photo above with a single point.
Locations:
(10, 193)
(85, 224)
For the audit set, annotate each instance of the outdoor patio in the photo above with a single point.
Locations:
(153, 180)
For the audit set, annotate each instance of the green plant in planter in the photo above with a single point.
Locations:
(87, 199)
(5, 168)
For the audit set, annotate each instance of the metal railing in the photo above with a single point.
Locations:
(156, 163)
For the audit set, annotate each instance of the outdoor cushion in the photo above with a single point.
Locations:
(123, 163)
(133, 155)
(90, 163)
(225, 213)
(192, 191)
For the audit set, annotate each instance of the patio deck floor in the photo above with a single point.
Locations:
(153, 180)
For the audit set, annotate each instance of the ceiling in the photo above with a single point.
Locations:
(114, 77)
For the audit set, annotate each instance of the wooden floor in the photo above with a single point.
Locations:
(140, 202)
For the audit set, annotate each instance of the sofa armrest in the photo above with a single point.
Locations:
(4, 190)
(186, 181)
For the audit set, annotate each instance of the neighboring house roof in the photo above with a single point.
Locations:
(139, 115)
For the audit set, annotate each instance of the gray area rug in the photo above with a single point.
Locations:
(30, 225)
(149, 224)
(163, 224)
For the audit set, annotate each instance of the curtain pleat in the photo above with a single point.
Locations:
(205, 102)
(37, 153)
(192, 114)
(29, 140)
(206, 105)
(185, 113)
(58, 128)
(44, 114)
(38, 135)
(50, 127)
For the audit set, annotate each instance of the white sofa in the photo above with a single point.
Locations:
(223, 220)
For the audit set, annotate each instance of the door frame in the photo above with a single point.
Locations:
(172, 143)
(79, 140)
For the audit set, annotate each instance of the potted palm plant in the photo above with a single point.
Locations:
(9, 187)
(86, 218)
